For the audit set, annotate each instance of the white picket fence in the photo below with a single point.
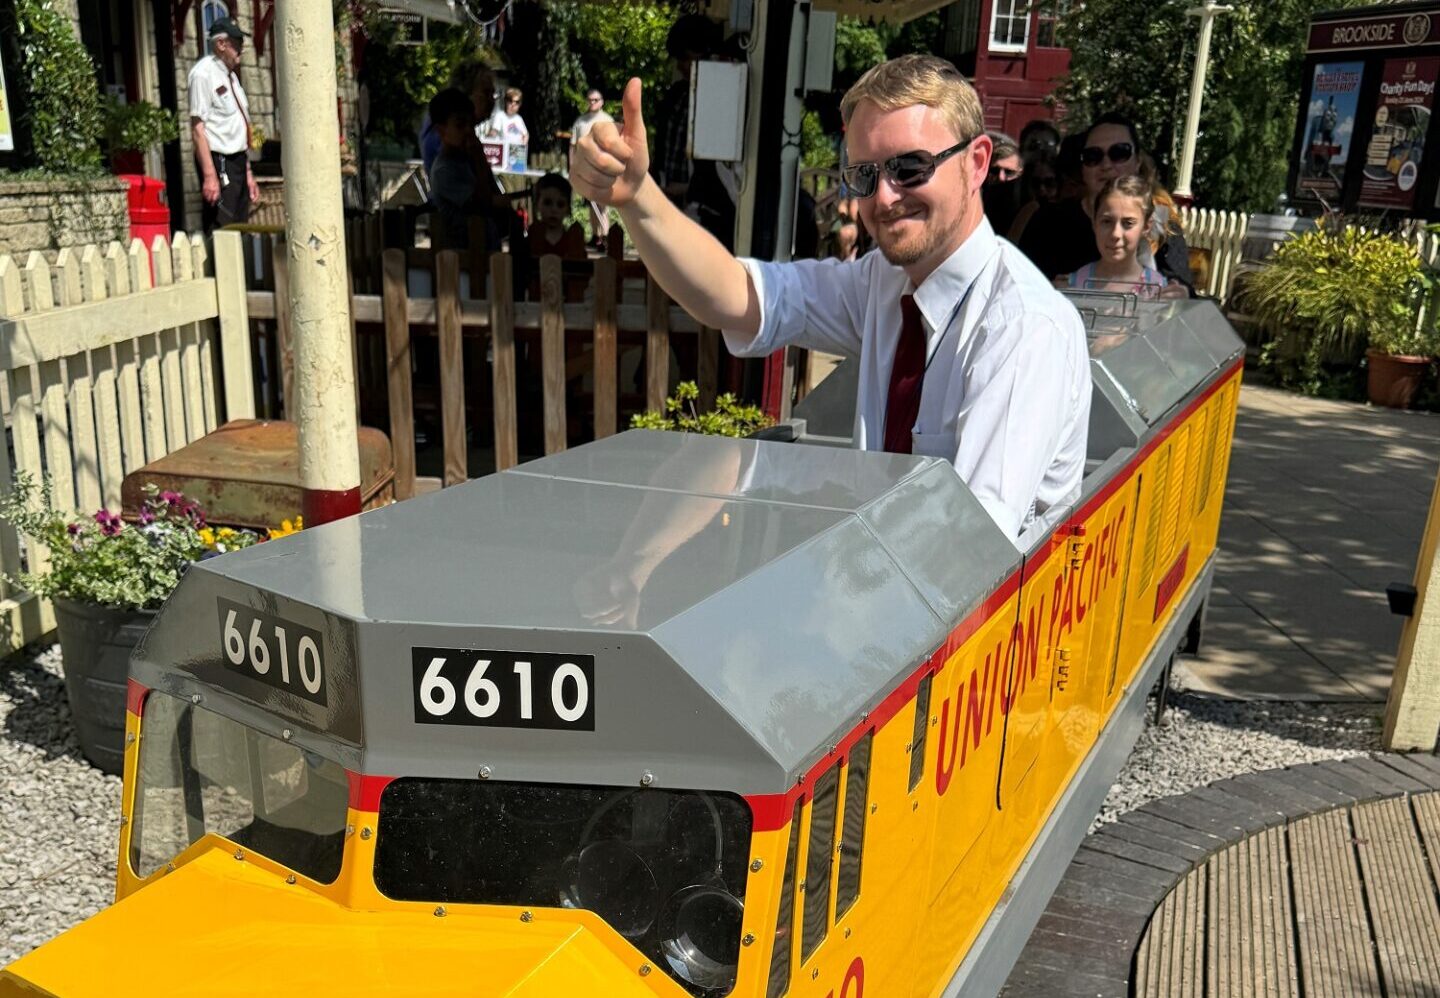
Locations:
(1223, 234)
(104, 368)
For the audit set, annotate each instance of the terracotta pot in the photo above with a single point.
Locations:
(95, 643)
(1393, 380)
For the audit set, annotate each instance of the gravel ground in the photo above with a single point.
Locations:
(59, 815)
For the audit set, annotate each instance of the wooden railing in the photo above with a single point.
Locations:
(111, 358)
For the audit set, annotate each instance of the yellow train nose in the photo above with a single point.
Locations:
(219, 928)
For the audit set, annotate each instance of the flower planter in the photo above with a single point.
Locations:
(96, 642)
(1393, 380)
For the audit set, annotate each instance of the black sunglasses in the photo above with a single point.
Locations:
(909, 169)
(1118, 153)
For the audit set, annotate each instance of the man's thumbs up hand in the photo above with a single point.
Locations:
(609, 164)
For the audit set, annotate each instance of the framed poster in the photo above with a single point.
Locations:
(1397, 141)
(1329, 127)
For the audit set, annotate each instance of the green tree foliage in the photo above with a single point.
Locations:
(62, 96)
(403, 78)
(1137, 58)
(615, 41)
(550, 82)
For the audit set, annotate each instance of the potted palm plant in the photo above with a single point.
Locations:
(1338, 292)
(106, 578)
(133, 129)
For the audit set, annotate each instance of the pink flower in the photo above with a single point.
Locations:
(110, 523)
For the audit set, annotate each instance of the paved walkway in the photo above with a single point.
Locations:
(1325, 506)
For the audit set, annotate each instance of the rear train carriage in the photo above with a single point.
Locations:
(662, 715)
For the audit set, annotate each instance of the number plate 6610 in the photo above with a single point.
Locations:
(503, 689)
(275, 651)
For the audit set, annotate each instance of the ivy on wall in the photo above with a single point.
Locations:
(62, 98)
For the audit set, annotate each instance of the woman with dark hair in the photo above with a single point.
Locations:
(1060, 239)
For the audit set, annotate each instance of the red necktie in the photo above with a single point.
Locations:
(907, 375)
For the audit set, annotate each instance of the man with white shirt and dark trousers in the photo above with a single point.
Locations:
(220, 123)
(966, 351)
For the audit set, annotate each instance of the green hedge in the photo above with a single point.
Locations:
(62, 96)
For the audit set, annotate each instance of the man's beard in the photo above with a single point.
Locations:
(912, 250)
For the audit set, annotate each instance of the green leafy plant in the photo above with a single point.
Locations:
(1329, 293)
(729, 418)
(138, 127)
(62, 98)
(103, 559)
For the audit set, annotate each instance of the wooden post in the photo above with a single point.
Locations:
(502, 334)
(234, 313)
(397, 364)
(657, 345)
(607, 375)
(552, 353)
(452, 366)
(1412, 716)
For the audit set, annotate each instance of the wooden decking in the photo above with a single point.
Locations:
(1342, 903)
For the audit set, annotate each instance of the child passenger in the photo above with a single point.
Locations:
(1124, 213)
(549, 235)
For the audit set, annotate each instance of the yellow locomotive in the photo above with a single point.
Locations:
(662, 715)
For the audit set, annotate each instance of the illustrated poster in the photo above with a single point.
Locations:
(1397, 143)
(7, 130)
(1329, 125)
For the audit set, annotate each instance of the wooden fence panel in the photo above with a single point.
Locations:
(118, 271)
(552, 352)
(607, 371)
(657, 345)
(502, 333)
(452, 367)
(192, 388)
(109, 462)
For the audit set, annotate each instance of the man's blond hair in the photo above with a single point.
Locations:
(919, 79)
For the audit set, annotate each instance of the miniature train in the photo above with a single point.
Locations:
(662, 715)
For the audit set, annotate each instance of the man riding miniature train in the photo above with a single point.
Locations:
(944, 305)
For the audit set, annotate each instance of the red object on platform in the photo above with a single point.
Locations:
(149, 211)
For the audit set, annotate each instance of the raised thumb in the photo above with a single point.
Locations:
(634, 127)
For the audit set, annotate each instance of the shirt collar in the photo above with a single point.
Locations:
(939, 294)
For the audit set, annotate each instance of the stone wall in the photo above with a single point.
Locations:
(47, 215)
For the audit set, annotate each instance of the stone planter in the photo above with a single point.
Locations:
(1393, 380)
(96, 642)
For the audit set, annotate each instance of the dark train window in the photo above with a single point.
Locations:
(785, 918)
(666, 869)
(917, 740)
(202, 773)
(818, 862)
(852, 828)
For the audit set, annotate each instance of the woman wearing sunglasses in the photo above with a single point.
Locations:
(965, 350)
(1061, 239)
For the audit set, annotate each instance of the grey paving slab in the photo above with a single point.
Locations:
(1325, 506)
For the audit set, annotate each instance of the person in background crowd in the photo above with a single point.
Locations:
(1039, 185)
(220, 122)
(1060, 239)
(453, 187)
(1039, 136)
(549, 234)
(594, 112)
(506, 122)
(1124, 211)
(1067, 166)
(692, 37)
(1001, 193)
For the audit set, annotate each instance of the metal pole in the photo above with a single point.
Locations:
(1207, 16)
(315, 241)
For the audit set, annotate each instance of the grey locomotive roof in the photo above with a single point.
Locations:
(809, 582)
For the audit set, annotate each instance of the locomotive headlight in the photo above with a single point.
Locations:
(700, 935)
(613, 880)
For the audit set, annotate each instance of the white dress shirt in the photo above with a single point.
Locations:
(1006, 395)
(218, 100)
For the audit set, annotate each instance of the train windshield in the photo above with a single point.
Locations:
(201, 773)
(664, 868)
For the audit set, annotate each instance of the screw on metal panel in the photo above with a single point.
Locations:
(647, 778)
(801, 887)
(290, 879)
(915, 806)
(287, 734)
(645, 970)
(349, 830)
(934, 720)
(124, 820)
(129, 738)
(756, 865)
(527, 916)
(239, 854)
(484, 772)
(195, 698)
(908, 748)
(748, 939)
(847, 932)
(365, 833)
(439, 911)
(814, 973)
(874, 808)
(169, 867)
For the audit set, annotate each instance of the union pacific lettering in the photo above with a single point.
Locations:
(973, 717)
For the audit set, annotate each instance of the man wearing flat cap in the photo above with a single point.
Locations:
(220, 121)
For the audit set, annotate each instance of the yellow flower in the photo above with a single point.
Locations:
(207, 537)
(287, 527)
